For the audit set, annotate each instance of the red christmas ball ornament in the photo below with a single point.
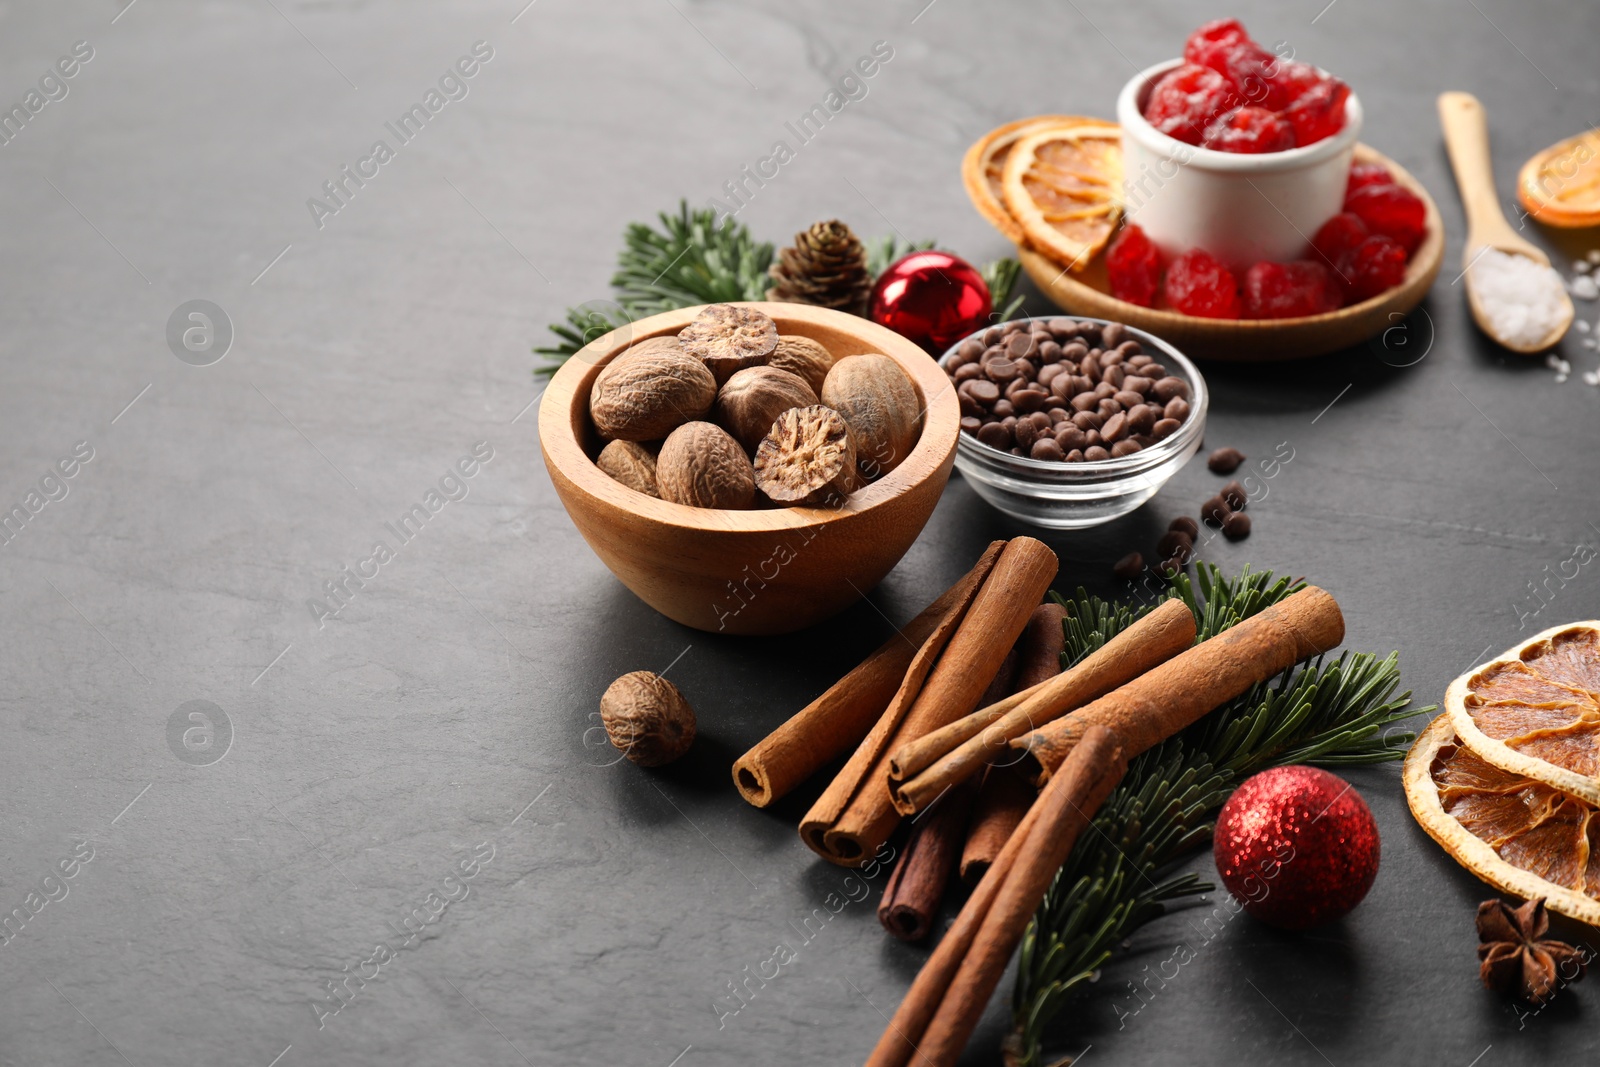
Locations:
(933, 298)
(1296, 846)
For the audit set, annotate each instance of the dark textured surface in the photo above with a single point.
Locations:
(447, 705)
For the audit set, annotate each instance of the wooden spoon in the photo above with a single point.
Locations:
(1466, 135)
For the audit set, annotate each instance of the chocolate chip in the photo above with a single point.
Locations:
(1088, 420)
(1129, 567)
(1004, 408)
(1128, 398)
(1173, 542)
(1225, 460)
(1070, 437)
(1235, 495)
(996, 435)
(1137, 383)
(1141, 418)
(1020, 344)
(1030, 399)
(1112, 334)
(1125, 447)
(1075, 456)
(1172, 389)
(1050, 351)
(1045, 448)
(1215, 511)
(970, 349)
(1169, 568)
(1026, 433)
(1115, 428)
(980, 391)
(1108, 407)
(1163, 428)
(1177, 408)
(992, 335)
(966, 372)
(970, 424)
(1185, 525)
(1095, 453)
(1154, 371)
(1236, 527)
(1115, 375)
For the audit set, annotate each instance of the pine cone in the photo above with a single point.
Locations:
(827, 267)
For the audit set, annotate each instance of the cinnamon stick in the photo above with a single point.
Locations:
(1004, 796)
(1003, 799)
(855, 814)
(949, 994)
(827, 727)
(920, 771)
(911, 899)
(1159, 703)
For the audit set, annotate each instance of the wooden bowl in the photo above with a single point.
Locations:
(767, 571)
(1087, 292)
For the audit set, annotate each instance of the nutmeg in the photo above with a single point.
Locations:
(809, 457)
(647, 718)
(802, 356)
(701, 466)
(632, 464)
(730, 338)
(751, 399)
(649, 390)
(881, 406)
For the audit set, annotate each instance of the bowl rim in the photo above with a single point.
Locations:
(563, 408)
(1138, 463)
(1131, 118)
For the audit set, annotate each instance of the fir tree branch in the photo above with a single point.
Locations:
(1337, 711)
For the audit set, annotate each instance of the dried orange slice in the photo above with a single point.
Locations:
(1535, 709)
(985, 163)
(1561, 185)
(1064, 188)
(1519, 835)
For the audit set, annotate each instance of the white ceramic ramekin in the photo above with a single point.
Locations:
(1240, 208)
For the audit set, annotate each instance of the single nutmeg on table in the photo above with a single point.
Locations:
(647, 718)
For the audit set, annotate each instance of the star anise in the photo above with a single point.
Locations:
(1517, 958)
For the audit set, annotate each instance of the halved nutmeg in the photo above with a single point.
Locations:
(808, 457)
(729, 338)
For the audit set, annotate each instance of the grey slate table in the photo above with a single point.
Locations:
(428, 752)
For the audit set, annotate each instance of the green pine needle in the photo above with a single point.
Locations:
(689, 260)
(1330, 712)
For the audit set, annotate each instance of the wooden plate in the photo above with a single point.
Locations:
(1087, 292)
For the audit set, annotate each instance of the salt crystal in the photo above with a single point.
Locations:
(1584, 287)
(1562, 368)
(1590, 342)
(1581, 266)
(1522, 299)
(1583, 325)
(1592, 377)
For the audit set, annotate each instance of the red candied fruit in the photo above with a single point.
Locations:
(1199, 284)
(1250, 131)
(1208, 42)
(1292, 80)
(1134, 265)
(1365, 174)
(1290, 290)
(1318, 112)
(1338, 237)
(1375, 266)
(1392, 211)
(1183, 103)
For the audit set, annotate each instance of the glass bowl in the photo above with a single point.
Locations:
(1069, 496)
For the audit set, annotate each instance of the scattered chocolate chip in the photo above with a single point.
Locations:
(1185, 525)
(1129, 567)
(1225, 460)
(1175, 543)
(1215, 511)
(1236, 527)
(1235, 495)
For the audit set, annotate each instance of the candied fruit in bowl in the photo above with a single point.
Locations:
(1133, 264)
(1318, 112)
(1338, 237)
(1392, 211)
(1184, 101)
(1374, 266)
(1249, 130)
(1290, 290)
(1201, 285)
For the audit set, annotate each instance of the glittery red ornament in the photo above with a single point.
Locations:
(933, 298)
(1296, 846)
